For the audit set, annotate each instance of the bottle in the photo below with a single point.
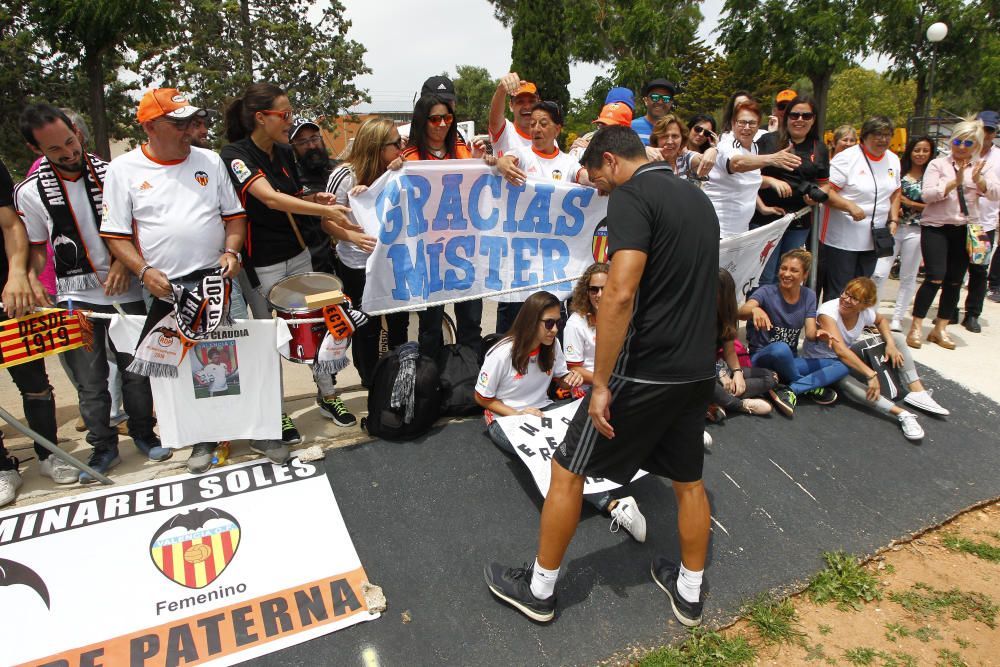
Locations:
(221, 454)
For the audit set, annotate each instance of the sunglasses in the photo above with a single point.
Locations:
(285, 115)
(804, 115)
(440, 119)
(656, 97)
(549, 324)
(180, 124)
(968, 143)
(703, 131)
(595, 289)
(398, 143)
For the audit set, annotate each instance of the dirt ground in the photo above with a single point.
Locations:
(883, 632)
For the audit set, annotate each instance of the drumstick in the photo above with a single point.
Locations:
(295, 228)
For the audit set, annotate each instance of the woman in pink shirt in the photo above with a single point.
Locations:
(952, 187)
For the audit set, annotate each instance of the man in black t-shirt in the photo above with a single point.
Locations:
(22, 291)
(653, 375)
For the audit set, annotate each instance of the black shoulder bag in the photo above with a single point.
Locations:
(885, 245)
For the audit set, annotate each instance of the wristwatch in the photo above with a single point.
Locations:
(234, 253)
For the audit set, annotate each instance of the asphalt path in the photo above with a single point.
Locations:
(426, 516)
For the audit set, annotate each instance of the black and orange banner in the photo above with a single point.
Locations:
(38, 335)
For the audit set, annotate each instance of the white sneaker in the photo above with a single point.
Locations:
(58, 471)
(626, 514)
(911, 429)
(923, 400)
(706, 439)
(896, 326)
(10, 482)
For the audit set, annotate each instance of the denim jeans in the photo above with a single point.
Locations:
(89, 374)
(799, 374)
(790, 240)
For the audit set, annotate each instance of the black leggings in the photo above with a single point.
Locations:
(945, 263)
(759, 381)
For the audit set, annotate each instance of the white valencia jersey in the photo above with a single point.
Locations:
(554, 166)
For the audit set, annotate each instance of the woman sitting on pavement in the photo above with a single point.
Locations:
(515, 378)
(738, 387)
(844, 320)
(776, 316)
(580, 335)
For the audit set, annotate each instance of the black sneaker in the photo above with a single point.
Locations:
(334, 409)
(289, 434)
(513, 586)
(784, 399)
(102, 460)
(822, 395)
(665, 575)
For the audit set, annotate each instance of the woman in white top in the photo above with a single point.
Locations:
(844, 320)
(515, 378)
(542, 159)
(580, 336)
(735, 177)
(864, 190)
(376, 148)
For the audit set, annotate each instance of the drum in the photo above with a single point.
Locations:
(288, 299)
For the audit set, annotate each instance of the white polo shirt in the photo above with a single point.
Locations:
(508, 139)
(555, 166)
(38, 223)
(176, 210)
(851, 175)
(581, 342)
(498, 379)
(733, 195)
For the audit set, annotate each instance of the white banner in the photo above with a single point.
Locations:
(535, 439)
(454, 228)
(745, 255)
(194, 570)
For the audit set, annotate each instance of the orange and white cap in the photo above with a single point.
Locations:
(167, 102)
(616, 113)
(526, 88)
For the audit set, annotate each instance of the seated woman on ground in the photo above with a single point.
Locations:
(776, 316)
(844, 319)
(514, 380)
(738, 388)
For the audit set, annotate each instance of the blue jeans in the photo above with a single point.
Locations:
(792, 239)
(799, 374)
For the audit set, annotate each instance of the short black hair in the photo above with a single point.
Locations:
(37, 116)
(615, 139)
(552, 109)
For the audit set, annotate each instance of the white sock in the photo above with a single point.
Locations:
(543, 582)
(689, 584)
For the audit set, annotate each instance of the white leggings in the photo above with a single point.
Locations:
(908, 249)
(857, 391)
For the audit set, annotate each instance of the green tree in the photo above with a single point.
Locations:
(219, 48)
(474, 88)
(811, 38)
(539, 51)
(858, 93)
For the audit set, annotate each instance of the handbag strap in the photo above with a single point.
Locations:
(875, 181)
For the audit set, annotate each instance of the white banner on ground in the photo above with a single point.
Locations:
(535, 440)
(745, 255)
(455, 228)
(212, 569)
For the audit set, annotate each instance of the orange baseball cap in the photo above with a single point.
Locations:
(786, 95)
(616, 113)
(166, 102)
(526, 88)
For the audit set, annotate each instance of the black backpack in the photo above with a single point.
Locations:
(459, 366)
(386, 422)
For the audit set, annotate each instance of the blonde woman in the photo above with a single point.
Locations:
(844, 136)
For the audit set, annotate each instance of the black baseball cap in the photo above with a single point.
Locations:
(299, 124)
(442, 87)
(659, 83)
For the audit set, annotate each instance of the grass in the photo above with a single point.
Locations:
(861, 656)
(703, 649)
(924, 600)
(844, 581)
(984, 550)
(896, 631)
(774, 620)
(963, 643)
(897, 659)
(948, 658)
(814, 652)
(825, 629)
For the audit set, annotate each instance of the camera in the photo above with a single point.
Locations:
(813, 191)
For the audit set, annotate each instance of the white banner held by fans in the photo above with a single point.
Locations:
(535, 439)
(212, 569)
(454, 228)
(745, 255)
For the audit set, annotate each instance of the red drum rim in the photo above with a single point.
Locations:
(287, 295)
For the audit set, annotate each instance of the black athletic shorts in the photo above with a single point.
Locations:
(658, 427)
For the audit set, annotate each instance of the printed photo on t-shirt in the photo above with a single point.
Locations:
(215, 369)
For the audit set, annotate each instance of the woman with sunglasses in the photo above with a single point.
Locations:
(580, 336)
(375, 149)
(913, 165)
(515, 378)
(261, 166)
(735, 177)
(953, 185)
(798, 130)
(844, 320)
(701, 135)
(864, 192)
(434, 136)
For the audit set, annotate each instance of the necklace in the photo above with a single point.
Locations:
(438, 153)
